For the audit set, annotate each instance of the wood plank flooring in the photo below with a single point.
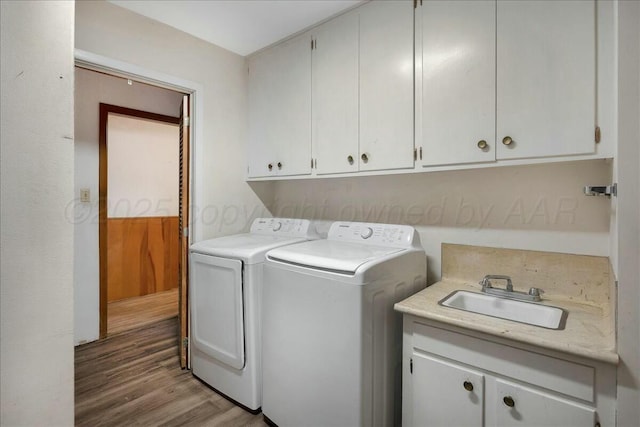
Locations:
(134, 379)
(133, 313)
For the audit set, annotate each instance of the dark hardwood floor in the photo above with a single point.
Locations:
(134, 379)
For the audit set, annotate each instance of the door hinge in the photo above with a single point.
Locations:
(186, 122)
(185, 342)
(314, 44)
(415, 154)
(411, 366)
(185, 231)
(415, 4)
(598, 134)
(420, 153)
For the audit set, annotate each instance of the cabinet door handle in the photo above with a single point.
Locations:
(508, 400)
(364, 157)
(270, 166)
(279, 165)
(507, 140)
(482, 144)
(350, 159)
(468, 385)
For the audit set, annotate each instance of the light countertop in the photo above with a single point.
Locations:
(590, 327)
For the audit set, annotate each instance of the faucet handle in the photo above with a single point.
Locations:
(486, 281)
(535, 292)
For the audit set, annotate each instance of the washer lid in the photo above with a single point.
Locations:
(249, 248)
(329, 255)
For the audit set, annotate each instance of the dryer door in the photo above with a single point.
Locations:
(217, 308)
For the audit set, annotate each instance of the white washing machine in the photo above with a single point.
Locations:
(225, 289)
(332, 343)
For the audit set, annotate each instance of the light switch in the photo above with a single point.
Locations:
(85, 195)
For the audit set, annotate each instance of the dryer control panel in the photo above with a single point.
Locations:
(403, 236)
(283, 227)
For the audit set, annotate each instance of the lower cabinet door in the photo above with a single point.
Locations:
(521, 406)
(445, 394)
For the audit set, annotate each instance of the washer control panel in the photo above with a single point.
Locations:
(284, 227)
(374, 234)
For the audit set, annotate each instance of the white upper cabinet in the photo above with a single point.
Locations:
(451, 84)
(546, 78)
(280, 110)
(505, 80)
(457, 69)
(335, 95)
(386, 85)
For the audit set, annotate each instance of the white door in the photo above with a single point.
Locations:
(386, 85)
(335, 95)
(445, 394)
(521, 406)
(546, 78)
(280, 110)
(217, 314)
(458, 82)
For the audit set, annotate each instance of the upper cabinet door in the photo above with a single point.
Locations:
(546, 78)
(335, 95)
(458, 82)
(386, 85)
(280, 109)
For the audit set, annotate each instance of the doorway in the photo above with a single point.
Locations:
(143, 217)
(98, 81)
(141, 193)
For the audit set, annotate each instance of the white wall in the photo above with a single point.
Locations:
(142, 167)
(92, 88)
(537, 207)
(36, 261)
(626, 213)
(228, 203)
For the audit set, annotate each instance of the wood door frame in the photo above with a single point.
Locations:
(105, 110)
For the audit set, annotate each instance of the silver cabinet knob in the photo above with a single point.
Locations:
(350, 159)
(270, 166)
(507, 140)
(364, 157)
(468, 385)
(482, 144)
(279, 165)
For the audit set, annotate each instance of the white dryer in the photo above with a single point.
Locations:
(332, 343)
(225, 289)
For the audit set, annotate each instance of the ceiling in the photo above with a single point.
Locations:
(241, 26)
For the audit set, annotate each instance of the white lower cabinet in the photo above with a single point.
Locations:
(455, 377)
(445, 393)
(519, 405)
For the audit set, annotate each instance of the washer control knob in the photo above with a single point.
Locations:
(366, 233)
(277, 226)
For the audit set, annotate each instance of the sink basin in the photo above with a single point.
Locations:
(518, 311)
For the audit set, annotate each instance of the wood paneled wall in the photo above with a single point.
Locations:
(142, 256)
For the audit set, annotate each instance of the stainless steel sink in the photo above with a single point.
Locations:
(530, 313)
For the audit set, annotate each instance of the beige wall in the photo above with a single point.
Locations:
(626, 223)
(537, 207)
(36, 261)
(114, 32)
(142, 167)
(228, 202)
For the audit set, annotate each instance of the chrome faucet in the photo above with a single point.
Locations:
(508, 292)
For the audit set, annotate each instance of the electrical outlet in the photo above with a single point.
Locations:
(85, 195)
